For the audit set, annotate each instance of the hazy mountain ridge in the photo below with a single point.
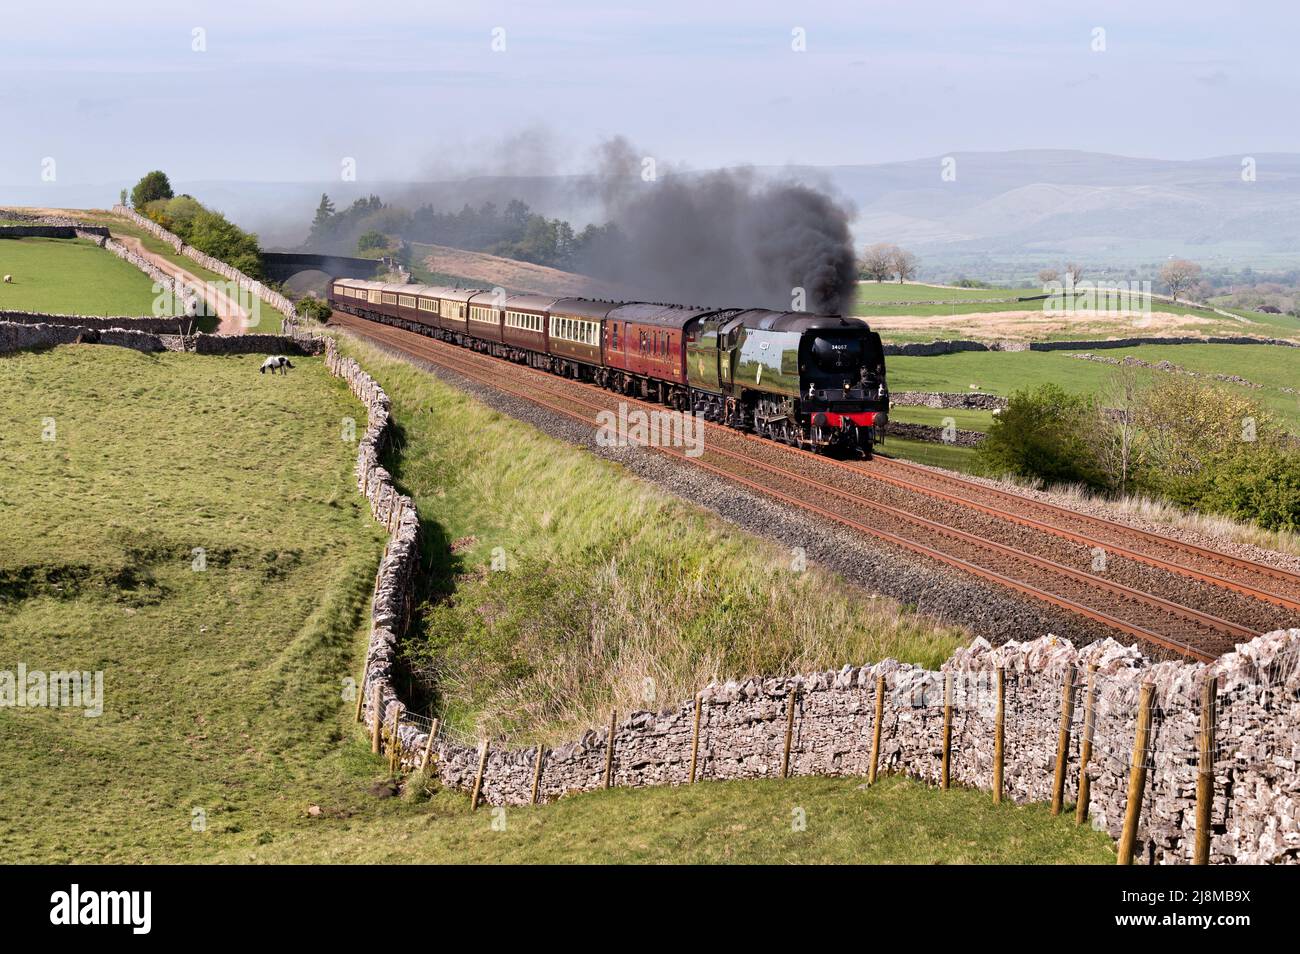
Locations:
(1020, 208)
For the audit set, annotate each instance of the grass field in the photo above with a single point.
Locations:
(224, 718)
(1003, 372)
(964, 418)
(222, 687)
(898, 821)
(889, 292)
(960, 459)
(910, 312)
(71, 276)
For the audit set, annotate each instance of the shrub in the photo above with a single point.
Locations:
(312, 308)
(1043, 434)
(207, 230)
(372, 241)
(1261, 485)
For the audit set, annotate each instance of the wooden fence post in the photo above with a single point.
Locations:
(395, 742)
(695, 737)
(1085, 754)
(875, 733)
(379, 718)
(361, 693)
(428, 745)
(1205, 770)
(999, 735)
(478, 776)
(1137, 777)
(537, 774)
(945, 769)
(789, 732)
(1063, 740)
(609, 750)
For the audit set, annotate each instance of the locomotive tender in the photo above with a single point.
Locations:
(814, 381)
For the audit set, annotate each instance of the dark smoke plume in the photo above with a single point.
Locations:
(727, 237)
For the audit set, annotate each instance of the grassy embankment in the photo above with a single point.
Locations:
(73, 277)
(615, 594)
(222, 688)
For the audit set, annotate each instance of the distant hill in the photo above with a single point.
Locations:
(514, 276)
(1041, 206)
(1004, 215)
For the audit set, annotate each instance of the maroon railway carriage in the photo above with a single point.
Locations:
(573, 336)
(645, 350)
(426, 304)
(453, 310)
(483, 317)
(523, 329)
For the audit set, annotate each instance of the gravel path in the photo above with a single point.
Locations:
(230, 316)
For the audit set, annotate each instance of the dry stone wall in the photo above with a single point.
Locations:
(933, 434)
(52, 231)
(390, 610)
(33, 218)
(1256, 814)
(742, 723)
(165, 326)
(19, 336)
(948, 399)
(16, 336)
(187, 298)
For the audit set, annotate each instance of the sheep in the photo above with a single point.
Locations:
(9, 279)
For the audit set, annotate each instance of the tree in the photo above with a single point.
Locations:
(324, 212)
(1074, 272)
(1179, 274)
(1048, 275)
(877, 263)
(121, 197)
(903, 263)
(154, 186)
(312, 308)
(1119, 440)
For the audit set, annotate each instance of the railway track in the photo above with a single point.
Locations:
(1163, 622)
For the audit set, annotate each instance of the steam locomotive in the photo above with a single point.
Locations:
(813, 381)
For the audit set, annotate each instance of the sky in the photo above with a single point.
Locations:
(292, 90)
